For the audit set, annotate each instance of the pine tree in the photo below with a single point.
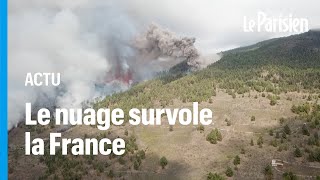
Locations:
(260, 141)
(268, 172)
(297, 152)
(236, 160)
(163, 162)
(229, 172)
(287, 129)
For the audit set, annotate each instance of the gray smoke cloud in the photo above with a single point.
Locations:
(157, 42)
(50, 40)
(93, 44)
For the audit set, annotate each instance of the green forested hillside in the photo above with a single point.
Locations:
(301, 51)
(274, 66)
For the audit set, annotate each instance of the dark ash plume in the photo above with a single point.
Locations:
(157, 42)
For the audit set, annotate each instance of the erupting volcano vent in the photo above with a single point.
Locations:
(150, 52)
(120, 73)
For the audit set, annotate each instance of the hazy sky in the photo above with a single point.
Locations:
(215, 24)
(219, 24)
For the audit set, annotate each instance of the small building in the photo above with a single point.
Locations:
(276, 162)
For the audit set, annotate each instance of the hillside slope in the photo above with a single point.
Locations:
(265, 103)
(302, 50)
(278, 65)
